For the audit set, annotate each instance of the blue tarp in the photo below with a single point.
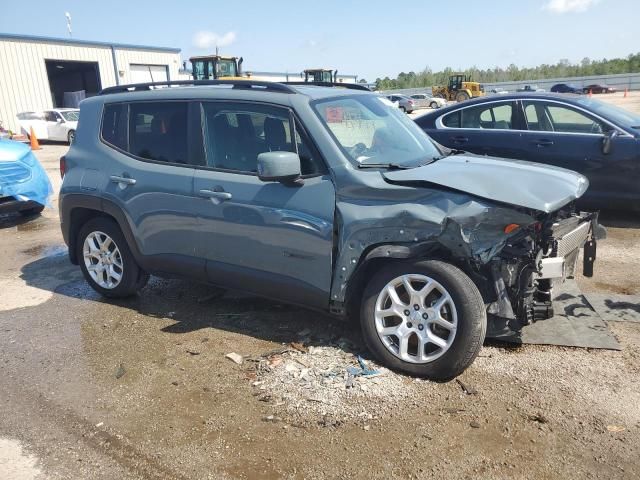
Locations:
(21, 175)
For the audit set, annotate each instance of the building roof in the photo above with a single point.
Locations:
(73, 41)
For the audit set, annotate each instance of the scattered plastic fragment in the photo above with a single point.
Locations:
(235, 358)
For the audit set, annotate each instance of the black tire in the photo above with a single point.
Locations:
(472, 319)
(32, 211)
(71, 136)
(462, 96)
(403, 109)
(133, 277)
(433, 105)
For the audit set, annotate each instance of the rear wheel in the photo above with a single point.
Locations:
(106, 260)
(424, 318)
(462, 96)
(433, 104)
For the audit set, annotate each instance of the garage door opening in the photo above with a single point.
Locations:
(70, 82)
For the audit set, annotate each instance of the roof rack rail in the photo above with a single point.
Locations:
(350, 86)
(240, 84)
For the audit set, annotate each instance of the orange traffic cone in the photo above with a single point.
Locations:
(34, 140)
(626, 90)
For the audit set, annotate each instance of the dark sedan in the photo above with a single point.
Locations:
(579, 133)
(566, 88)
(598, 88)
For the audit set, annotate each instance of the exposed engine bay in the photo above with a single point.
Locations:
(536, 259)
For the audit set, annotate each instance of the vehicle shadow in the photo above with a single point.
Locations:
(193, 306)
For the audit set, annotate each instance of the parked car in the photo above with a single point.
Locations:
(599, 140)
(59, 124)
(329, 198)
(498, 91)
(598, 88)
(566, 88)
(405, 103)
(24, 185)
(530, 88)
(424, 100)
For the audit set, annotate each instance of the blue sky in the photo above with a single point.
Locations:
(368, 38)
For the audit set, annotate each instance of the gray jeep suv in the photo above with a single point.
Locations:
(328, 198)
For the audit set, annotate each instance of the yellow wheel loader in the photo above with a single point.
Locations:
(214, 67)
(460, 88)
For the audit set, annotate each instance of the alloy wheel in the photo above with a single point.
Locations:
(103, 260)
(415, 318)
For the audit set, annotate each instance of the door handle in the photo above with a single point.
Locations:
(543, 142)
(122, 181)
(460, 139)
(222, 196)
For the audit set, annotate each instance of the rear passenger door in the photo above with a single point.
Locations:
(265, 237)
(484, 129)
(148, 175)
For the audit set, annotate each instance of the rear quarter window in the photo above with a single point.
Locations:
(114, 125)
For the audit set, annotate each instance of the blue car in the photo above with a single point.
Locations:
(598, 140)
(24, 185)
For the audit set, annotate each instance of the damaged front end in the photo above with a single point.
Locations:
(515, 238)
(535, 260)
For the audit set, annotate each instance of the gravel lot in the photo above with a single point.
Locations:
(142, 388)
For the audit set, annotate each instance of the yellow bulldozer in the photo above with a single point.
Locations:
(214, 67)
(460, 88)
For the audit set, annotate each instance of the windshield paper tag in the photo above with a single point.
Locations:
(334, 114)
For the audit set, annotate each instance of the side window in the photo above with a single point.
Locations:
(158, 131)
(487, 116)
(235, 135)
(50, 116)
(114, 125)
(452, 120)
(570, 121)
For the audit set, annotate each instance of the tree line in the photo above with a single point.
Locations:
(564, 68)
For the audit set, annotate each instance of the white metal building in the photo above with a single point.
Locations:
(39, 73)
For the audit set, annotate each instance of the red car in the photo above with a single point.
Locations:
(598, 88)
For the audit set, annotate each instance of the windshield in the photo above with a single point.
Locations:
(370, 130)
(618, 115)
(71, 116)
(226, 68)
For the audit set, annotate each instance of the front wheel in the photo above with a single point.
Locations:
(71, 136)
(403, 109)
(425, 318)
(462, 96)
(434, 105)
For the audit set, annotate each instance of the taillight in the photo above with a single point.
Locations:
(63, 166)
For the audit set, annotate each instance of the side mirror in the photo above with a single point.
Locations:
(59, 120)
(608, 140)
(278, 167)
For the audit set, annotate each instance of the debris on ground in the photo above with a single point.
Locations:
(235, 358)
(120, 372)
(474, 424)
(328, 385)
(538, 417)
(615, 428)
(466, 388)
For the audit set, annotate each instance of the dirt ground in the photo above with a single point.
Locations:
(142, 389)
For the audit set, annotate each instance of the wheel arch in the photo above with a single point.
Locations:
(77, 209)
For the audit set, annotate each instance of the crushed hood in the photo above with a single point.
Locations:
(525, 184)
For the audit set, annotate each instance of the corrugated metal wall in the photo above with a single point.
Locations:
(24, 84)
